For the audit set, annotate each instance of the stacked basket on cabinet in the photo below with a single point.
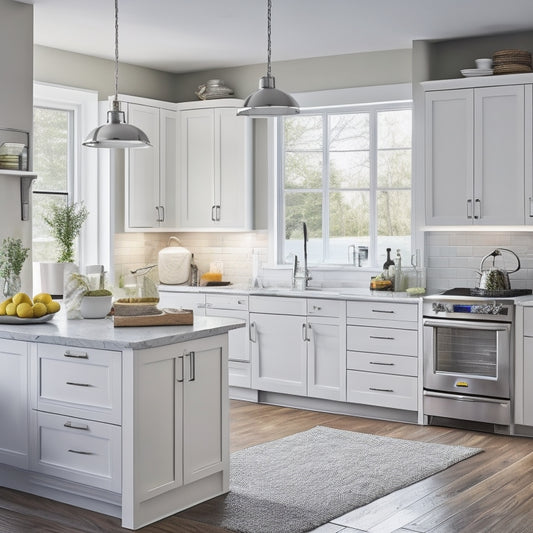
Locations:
(511, 62)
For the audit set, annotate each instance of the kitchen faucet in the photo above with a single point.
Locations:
(307, 277)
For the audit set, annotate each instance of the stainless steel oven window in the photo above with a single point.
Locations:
(466, 351)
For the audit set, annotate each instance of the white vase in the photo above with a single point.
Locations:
(52, 278)
(95, 306)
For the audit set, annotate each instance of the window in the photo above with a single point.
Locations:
(53, 161)
(346, 172)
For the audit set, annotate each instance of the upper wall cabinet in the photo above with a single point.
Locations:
(474, 154)
(215, 166)
(151, 173)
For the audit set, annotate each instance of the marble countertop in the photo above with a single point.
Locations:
(100, 333)
(340, 293)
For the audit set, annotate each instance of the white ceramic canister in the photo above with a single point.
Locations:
(174, 263)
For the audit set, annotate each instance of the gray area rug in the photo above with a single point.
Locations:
(297, 483)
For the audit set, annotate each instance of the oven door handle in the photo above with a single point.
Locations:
(466, 324)
(464, 398)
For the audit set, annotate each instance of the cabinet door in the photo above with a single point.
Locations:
(142, 171)
(14, 403)
(205, 409)
(168, 182)
(233, 186)
(449, 157)
(197, 155)
(238, 343)
(326, 358)
(279, 353)
(499, 155)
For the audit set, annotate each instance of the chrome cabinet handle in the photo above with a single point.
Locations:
(252, 328)
(81, 452)
(82, 355)
(162, 219)
(213, 215)
(381, 338)
(192, 365)
(180, 379)
(78, 384)
(379, 390)
(530, 207)
(382, 311)
(158, 218)
(217, 213)
(317, 308)
(69, 424)
(381, 364)
(478, 205)
(469, 208)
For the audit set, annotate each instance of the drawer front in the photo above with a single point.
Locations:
(240, 374)
(528, 321)
(383, 390)
(227, 301)
(320, 307)
(382, 311)
(183, 300)
(382, 340)
(83, 451)
(278, 305)
(81, 382)
(383, 363)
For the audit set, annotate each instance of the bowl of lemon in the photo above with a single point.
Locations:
(21, 309)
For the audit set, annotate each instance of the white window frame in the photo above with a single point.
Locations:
(94, 244)
(335, 100)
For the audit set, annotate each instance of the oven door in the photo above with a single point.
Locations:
(467, 357)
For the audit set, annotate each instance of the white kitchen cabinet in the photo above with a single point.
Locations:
(14, 403)
(151, 173)
(523, 393)
(474, 150)
(215, 167)
(296, 350)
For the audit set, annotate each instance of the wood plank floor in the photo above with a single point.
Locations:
(490, 492)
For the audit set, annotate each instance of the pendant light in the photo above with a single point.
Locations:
(117, 133)
(269, 101)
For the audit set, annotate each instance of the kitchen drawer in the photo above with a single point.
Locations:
(528, 321)
(240, 374)
(384, 390)
(227, 301)
(83, 451)
(382, 340)
(80, 382)
(383, 363)
(321, 307)
(278, 305)
(382, 311)
(183, 300)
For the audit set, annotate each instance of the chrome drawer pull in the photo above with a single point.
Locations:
(78, 384)
(81, 452)
(68, 353)
(382, 311)
(380, 390)
(382, 364)
(70, 425)
(382, 338)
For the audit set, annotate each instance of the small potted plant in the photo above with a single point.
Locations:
(65, 222)
(12, 257)
(95, 303)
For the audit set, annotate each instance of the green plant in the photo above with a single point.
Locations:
(83, 281)
(65, 222)
(12, 257)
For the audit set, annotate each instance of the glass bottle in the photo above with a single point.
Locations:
(389, 262)
(11, 285)
(398, 272)
(193, 279)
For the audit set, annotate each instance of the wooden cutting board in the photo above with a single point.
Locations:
(168, 317)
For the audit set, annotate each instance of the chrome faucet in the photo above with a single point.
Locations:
(307, 276)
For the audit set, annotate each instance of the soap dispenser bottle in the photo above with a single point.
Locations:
(398, 272)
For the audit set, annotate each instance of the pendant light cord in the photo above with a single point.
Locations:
(116, 50)
(269, 31)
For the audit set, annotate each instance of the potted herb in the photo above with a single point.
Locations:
(65, 222)
(95, 303)
(12, 257)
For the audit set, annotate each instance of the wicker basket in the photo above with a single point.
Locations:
(511, 62)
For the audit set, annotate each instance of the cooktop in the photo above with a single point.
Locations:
(468, 291)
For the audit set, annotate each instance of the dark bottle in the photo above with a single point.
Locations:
(389, 262)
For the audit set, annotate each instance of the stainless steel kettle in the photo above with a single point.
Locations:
(493, 278)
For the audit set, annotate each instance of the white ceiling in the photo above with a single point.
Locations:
(189, 35)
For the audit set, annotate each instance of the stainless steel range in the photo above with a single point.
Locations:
(468, 355)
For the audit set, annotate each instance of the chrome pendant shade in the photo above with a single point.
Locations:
(269, 101)
(117, 133)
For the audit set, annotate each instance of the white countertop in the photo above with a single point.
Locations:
(341, 293)
(100, 333)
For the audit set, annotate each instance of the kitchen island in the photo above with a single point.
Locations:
(132, 422)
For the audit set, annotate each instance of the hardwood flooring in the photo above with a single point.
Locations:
(490, 492)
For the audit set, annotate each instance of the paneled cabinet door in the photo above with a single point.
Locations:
(279, 353)
(326, 358)
(14, 426)
(475, 141)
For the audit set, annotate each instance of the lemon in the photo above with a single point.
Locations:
(11, 309)
(39, 309)
(24, 310)
(21, 297)
(53, 307)
(42, 297)
(3, 306)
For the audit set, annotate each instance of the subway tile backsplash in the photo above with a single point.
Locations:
(453, 258)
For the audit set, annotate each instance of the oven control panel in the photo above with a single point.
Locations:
(475, 309)
(469, 309)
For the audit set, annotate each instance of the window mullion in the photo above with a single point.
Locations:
(373, 160)
(325, 187)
